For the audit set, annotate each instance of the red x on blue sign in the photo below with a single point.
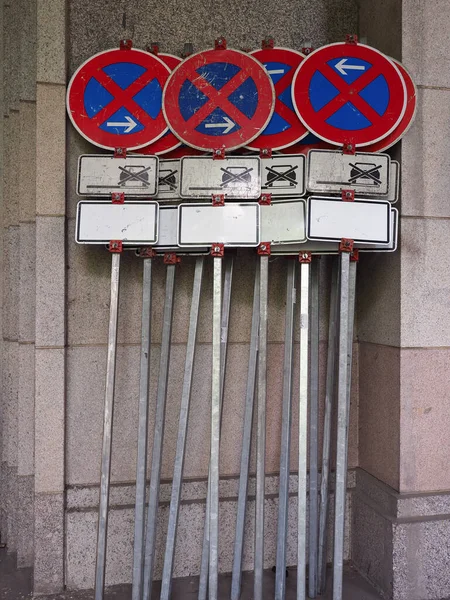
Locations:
(349, 94)
(114, 99)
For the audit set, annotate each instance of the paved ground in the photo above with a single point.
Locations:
(16, 585)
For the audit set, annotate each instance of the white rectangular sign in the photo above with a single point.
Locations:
(394, 182)
(331, 219)
(232, 224)
(283, 222)
(168, 180)
(168, 232)
(236, 177)
(134, 222)
(283, 175)
(333, 247)
(101, 174)
(331, 171)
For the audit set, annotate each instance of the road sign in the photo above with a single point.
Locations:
(284, 222)
(234, 177)
(100, 174)
(408, 117)
(284, 128)
(331, 219)
(168, 180)
(168, 233)
(114, 99)
(218, 99)
(232, 224)
(168, 141)
(330, 172)
(349, 94)
(134, 222)
(394, 182)
(283, 175)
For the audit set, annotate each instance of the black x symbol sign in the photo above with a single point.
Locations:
(169, 179)
(287, 175)
(234, 177)
(361, 174)
(130, 176)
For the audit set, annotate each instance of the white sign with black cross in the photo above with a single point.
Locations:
(168, 180)
(283, 175)
(99, 175)
(330, 172)
(234, 177)
(364, 221)
(133, 222)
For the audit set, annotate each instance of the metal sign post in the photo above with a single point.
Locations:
(225, 319)
(326, 448)
(264, 251)
(283, 496)
(141, 472)
(100, 566)
(305, 260)
(182, 431)
(153, 502)
(246, 446)
(314, 429)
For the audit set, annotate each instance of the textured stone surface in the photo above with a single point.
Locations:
(50, 281)
(28, 49)
(50, 157)
(425, 311)
(379, 412)
(25, 445)
(27, 155)
(425, 405)
(90, 32)
(25, 521)
(49, 543)
(51, 47)
(49, 420)
(424, 190)
(380, 24)
(27, 282)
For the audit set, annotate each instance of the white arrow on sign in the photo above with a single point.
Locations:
(342, 67)
(130, 125)
(275, 71)
(227, 126)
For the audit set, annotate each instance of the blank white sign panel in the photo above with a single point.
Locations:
(283, 222)
(330, 219)
(131, 222)
(168, 231)
(231, 225)
(100, 174)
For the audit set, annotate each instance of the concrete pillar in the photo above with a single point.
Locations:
(50, 297)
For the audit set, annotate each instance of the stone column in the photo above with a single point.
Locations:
(50, 296)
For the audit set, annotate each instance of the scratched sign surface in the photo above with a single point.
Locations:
(100, 174)
(218, 99)
(114, 99)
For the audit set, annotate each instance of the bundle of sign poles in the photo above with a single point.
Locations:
(312, 190)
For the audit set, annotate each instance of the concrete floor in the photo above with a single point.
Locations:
(16, 584)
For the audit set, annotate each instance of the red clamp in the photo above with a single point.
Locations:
(120, 152)
(115, 246)
(354, 256)
(218, 200)
(307, 50)
(349, 147)
(220, 44)
(117, 197)
(126, 44)
(348, 195)
(188, 49)
(267, 44)
(346, 245)
(146, 252)
(265, 153)
(304, 257)
(217, 250)
(264, 249)
(265, 199)
(170, 258)
(153, 48)
(351, 38)
(219, 154)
